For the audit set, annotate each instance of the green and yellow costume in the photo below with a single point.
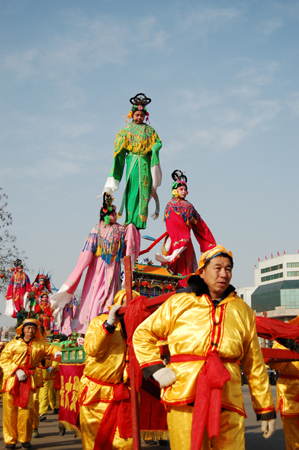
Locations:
(139, 146)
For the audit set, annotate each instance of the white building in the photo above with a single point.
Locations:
(276, 288)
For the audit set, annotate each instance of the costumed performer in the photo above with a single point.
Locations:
(287, 386)
(104, 247)
(17, 291)
(180, 217)
(207, 336)
(47, 394)
(138, 145)
(104, 392)
(19, 361)
(69, 317)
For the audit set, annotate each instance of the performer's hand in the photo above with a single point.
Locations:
(21, 375)
(165, 376)
(49, 369)
(268, 427)
(58, 353)
(113, 317)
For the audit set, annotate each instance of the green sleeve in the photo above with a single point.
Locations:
(155, 151)
(118, 164)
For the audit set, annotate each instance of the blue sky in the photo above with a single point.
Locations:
(223, 78)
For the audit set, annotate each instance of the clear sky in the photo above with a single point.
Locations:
(223, 78)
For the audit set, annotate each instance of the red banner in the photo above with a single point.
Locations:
(70, 375)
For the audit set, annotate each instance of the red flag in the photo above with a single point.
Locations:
(259, 259)
(284, 252)
(278, 254)
(265, 257)
(271, 255)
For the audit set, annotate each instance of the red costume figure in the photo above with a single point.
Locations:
(43, 284)
(18, 286)
(43, 312)
(180, 217)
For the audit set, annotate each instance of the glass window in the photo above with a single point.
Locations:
(272, 277)
(271, 269)
(293, 264)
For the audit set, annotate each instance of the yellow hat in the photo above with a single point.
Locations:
(210, 254)
(121, 296)
(35, 322)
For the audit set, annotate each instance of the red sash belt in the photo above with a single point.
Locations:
(21, 389)
(207, 405)
(117, 414)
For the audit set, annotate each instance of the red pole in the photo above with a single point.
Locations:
(134, 395)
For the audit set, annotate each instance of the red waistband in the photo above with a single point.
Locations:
(289, 377)
(102, 383)
(187, 358)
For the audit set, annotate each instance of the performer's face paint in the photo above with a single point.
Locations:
(20, 269)
(217, 275)
(138, 117)
(182, 191)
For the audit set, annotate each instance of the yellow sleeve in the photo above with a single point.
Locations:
(255, 371)
(6, 360)
(97, 338)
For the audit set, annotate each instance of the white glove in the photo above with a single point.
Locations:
(49, 369)
(113, 317)
(268, 427)
(165, 376)
(56, 354)
(21, 375)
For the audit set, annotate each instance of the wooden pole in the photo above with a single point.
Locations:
(134, 395)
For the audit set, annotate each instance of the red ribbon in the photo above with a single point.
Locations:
(21, 389)
(207, 406)
(117, 414)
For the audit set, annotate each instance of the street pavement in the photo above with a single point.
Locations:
(50, 439)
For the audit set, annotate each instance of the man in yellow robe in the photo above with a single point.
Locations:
(104, 388)
(288, 397)
(47, 394)
(208, 333)
(19, 361)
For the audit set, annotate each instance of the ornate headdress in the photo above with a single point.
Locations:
(139, 102)
(179, 180)
(18, 263)
(107, 208)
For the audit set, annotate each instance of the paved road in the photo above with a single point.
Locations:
(50, 439)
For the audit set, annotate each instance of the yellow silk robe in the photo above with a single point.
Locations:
(192, 325)
(105, 362)
(287, 389)
(17, 353)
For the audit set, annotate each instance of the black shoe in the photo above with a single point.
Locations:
(10, 446)
(42, 417)
(26, 444)
(56, 411)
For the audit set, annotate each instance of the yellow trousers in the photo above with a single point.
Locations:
(17, 422)
(90, 421)
(48, 395)
(291, 432)
(35, 410)
(231, 435)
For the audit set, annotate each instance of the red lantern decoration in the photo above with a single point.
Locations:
(12, 269)
(70, 345)
(76, 344)
(63, 345)
(1, 275)
(144, 283)
(169, 287)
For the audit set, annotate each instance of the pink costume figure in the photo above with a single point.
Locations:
(104, 247)
(180, 217)
(17, 291)
(70, 313)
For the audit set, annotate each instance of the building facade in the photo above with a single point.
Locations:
(276, 290)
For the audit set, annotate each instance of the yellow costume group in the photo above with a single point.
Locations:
(193, 327)
(47, 394)
(105, 368)
(17, 354)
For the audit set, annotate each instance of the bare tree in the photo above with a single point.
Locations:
(8, 250)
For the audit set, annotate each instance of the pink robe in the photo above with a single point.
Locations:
(70, 313)
(101, 253)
